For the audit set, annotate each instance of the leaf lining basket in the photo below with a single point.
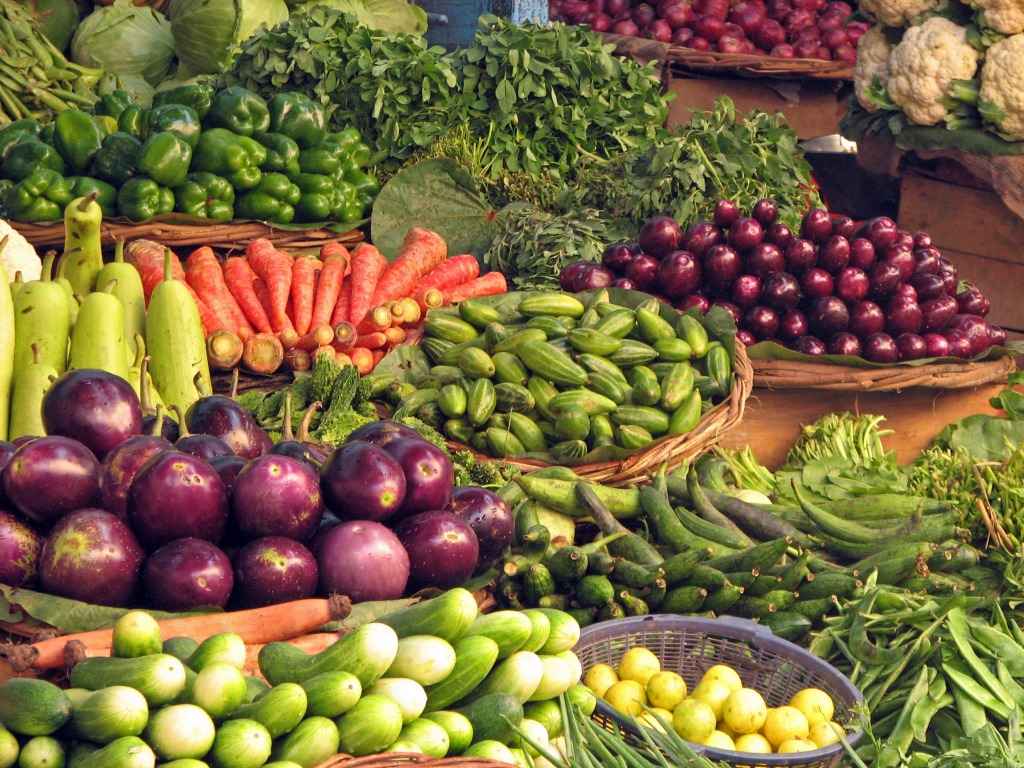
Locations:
(401, 759)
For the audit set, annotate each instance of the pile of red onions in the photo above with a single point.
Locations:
(834, 287)
(808, 29)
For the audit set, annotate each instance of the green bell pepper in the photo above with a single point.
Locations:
(318, 197)
(46, 133)
(115, 163)
(272, 200)
(236, 158)
(165, 158)
(326, 162)
(299, 118)
(132, 121)
(195, 95)
(207, 195)
(366, 185)
(178, 119)
(17, 131)
(77, 136)
(282, 154)
(346, 205)
(113, 104)
(240, 111)
(39, 197)
(141, 198)
(106, 194)
(28, 156)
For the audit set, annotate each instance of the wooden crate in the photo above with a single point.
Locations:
(773, 418)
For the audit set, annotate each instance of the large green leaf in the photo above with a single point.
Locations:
(439, 195)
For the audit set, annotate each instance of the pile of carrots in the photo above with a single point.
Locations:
(269, 308)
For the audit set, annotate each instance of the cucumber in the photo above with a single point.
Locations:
(559, 673)
(550, 325)
(594, 591)
(424, 658)
(33, 707)
(722, 599)
(513, 397)
(240, 744)
(409, 694)
(586, 400)
(312, 741)
(512, 342)
(447, 616)
(632, 437)
(494, 717)
(541, 358)
(527, 432)
(509, 369)
(541, 629)
(366, 652)
(279, 710)
(126, 752)
(370, 726)
(448, 328)
(223, 647)
(331, 694)
(654, 420)
(633, 353)
(477, 313)
(787, 624)
(475, 656)
(543, 391)
(646, 388)
(761, 556)
(451, 398)
(592, 341)
(180, 647)
(476, 363)
(683, 600)
(480, 402)
(518, 675)
(572, 423)
(430, 737)
(824, 585)
(618, 322)
(180, 732)
(509, 629)
(553, 303)
(503, 443)
(136, 633)
(42, 752)
(159, 677)
(457, 726)
(109, 714)
(8, 748)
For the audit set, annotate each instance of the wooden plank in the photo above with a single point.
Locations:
(773, 419)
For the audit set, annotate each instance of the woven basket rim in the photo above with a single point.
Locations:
(674, 450)
(799, 374)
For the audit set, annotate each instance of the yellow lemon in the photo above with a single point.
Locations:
(725, 674)
(724, 728)
(826, 733)
(638, 664)
(744, 710)
(714, 692)
(720, 740)
(790, 746)
(785, 723)
(650, 718)
(753, 742)
(815, 704)
(600, 678)
(627, 696)
(694, 720)
(666, 689)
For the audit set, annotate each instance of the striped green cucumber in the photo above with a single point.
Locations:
(676, 386)
(684, 599)
(652, 326)
(159, 677)
(452, 399)
(451, 355)
(609, 387)
(495, 332)
(592, 341)
(512, 342)
(97, 340)
(503, 443)
(441, 325)
(175, 342)
(415, 400)
(509, 629)
(548, 324)
(618, 322)
(543, 391)
(513, 397)
(435, 348)
(693, 332)
(687, 416)
(646, 388)
(719, 366)
(476, 363)
(475, 656)
(587, 400)
(761, 556)
(330, 694)
(587, 320)
(527, 432)
(541, 358)
(555, 303)
(481, 401)
(633, 352)
(672, 350)
(447, 616)
(601, 431)
(30, 384)
(477, 313)
(632, 436)
(83, 246)
(560, 495)
(366, 652)
(44, 319)
(509, 369)
(572, 423)
(459, 430)
(598, 364)
(568, 450)
(128, 288)
(33, 707)
(537, 583)
(654, 420)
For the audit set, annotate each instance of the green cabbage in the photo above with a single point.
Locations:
(207, 32)
(125, 40)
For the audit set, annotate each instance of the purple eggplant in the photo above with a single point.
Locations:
(186, 574)
(20, 547)
(119, 467)
(51, 476)
(96, 408)
(273, 569)
(277, 496)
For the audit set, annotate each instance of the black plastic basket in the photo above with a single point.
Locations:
(690, 645)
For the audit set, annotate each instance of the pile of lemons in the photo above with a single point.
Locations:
(719, 712)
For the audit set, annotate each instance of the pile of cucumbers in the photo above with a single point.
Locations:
(666, 548)
(437, 677)
(566, 374)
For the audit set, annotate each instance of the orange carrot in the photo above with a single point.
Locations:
(223, 349)
(262, 353)
(367, 267)
(327, 350)
(374, 340)
(362, 359)
(288, 338)
(378, 355)
(395, 335)
(314, 642)
(280, 621)
(296, 359)
(205, 275)
(319, 336)
(342, 307)
(275, 268)
(422, 250)
(453, 271)
(329, 287)
(302, 293)
(429, 298)
(377, 319)
(412, 313)
(238, 277)
(148, 258)
(490, 284)
(344, 337)
(263, 295)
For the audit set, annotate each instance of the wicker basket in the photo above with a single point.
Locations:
(690, 645)
(227, 236)
(400, 759)
(674, 450)
(797, 374)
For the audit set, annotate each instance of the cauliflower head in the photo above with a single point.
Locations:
(872, 61)
(1001, 78)
(1004, 16)
(895, 13)
(924, 65)
(19, 255)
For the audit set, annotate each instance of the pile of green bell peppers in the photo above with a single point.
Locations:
(221, 154)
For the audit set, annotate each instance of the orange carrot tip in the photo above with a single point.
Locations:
(377, 319)
(394, 336)
(296, 359)
(262, 353)
(317, 337)
(362, 359)
(223, 349)
(430, 298)
(289, 337)
(374, 340)
(342, 359)
(325, 350)
(378, 355)
(411, 312)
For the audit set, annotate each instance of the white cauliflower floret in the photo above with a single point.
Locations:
(895, 13)
(924, 65)
(1001, 78)
(1004, 16)
(19, 255)
(872, 61)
